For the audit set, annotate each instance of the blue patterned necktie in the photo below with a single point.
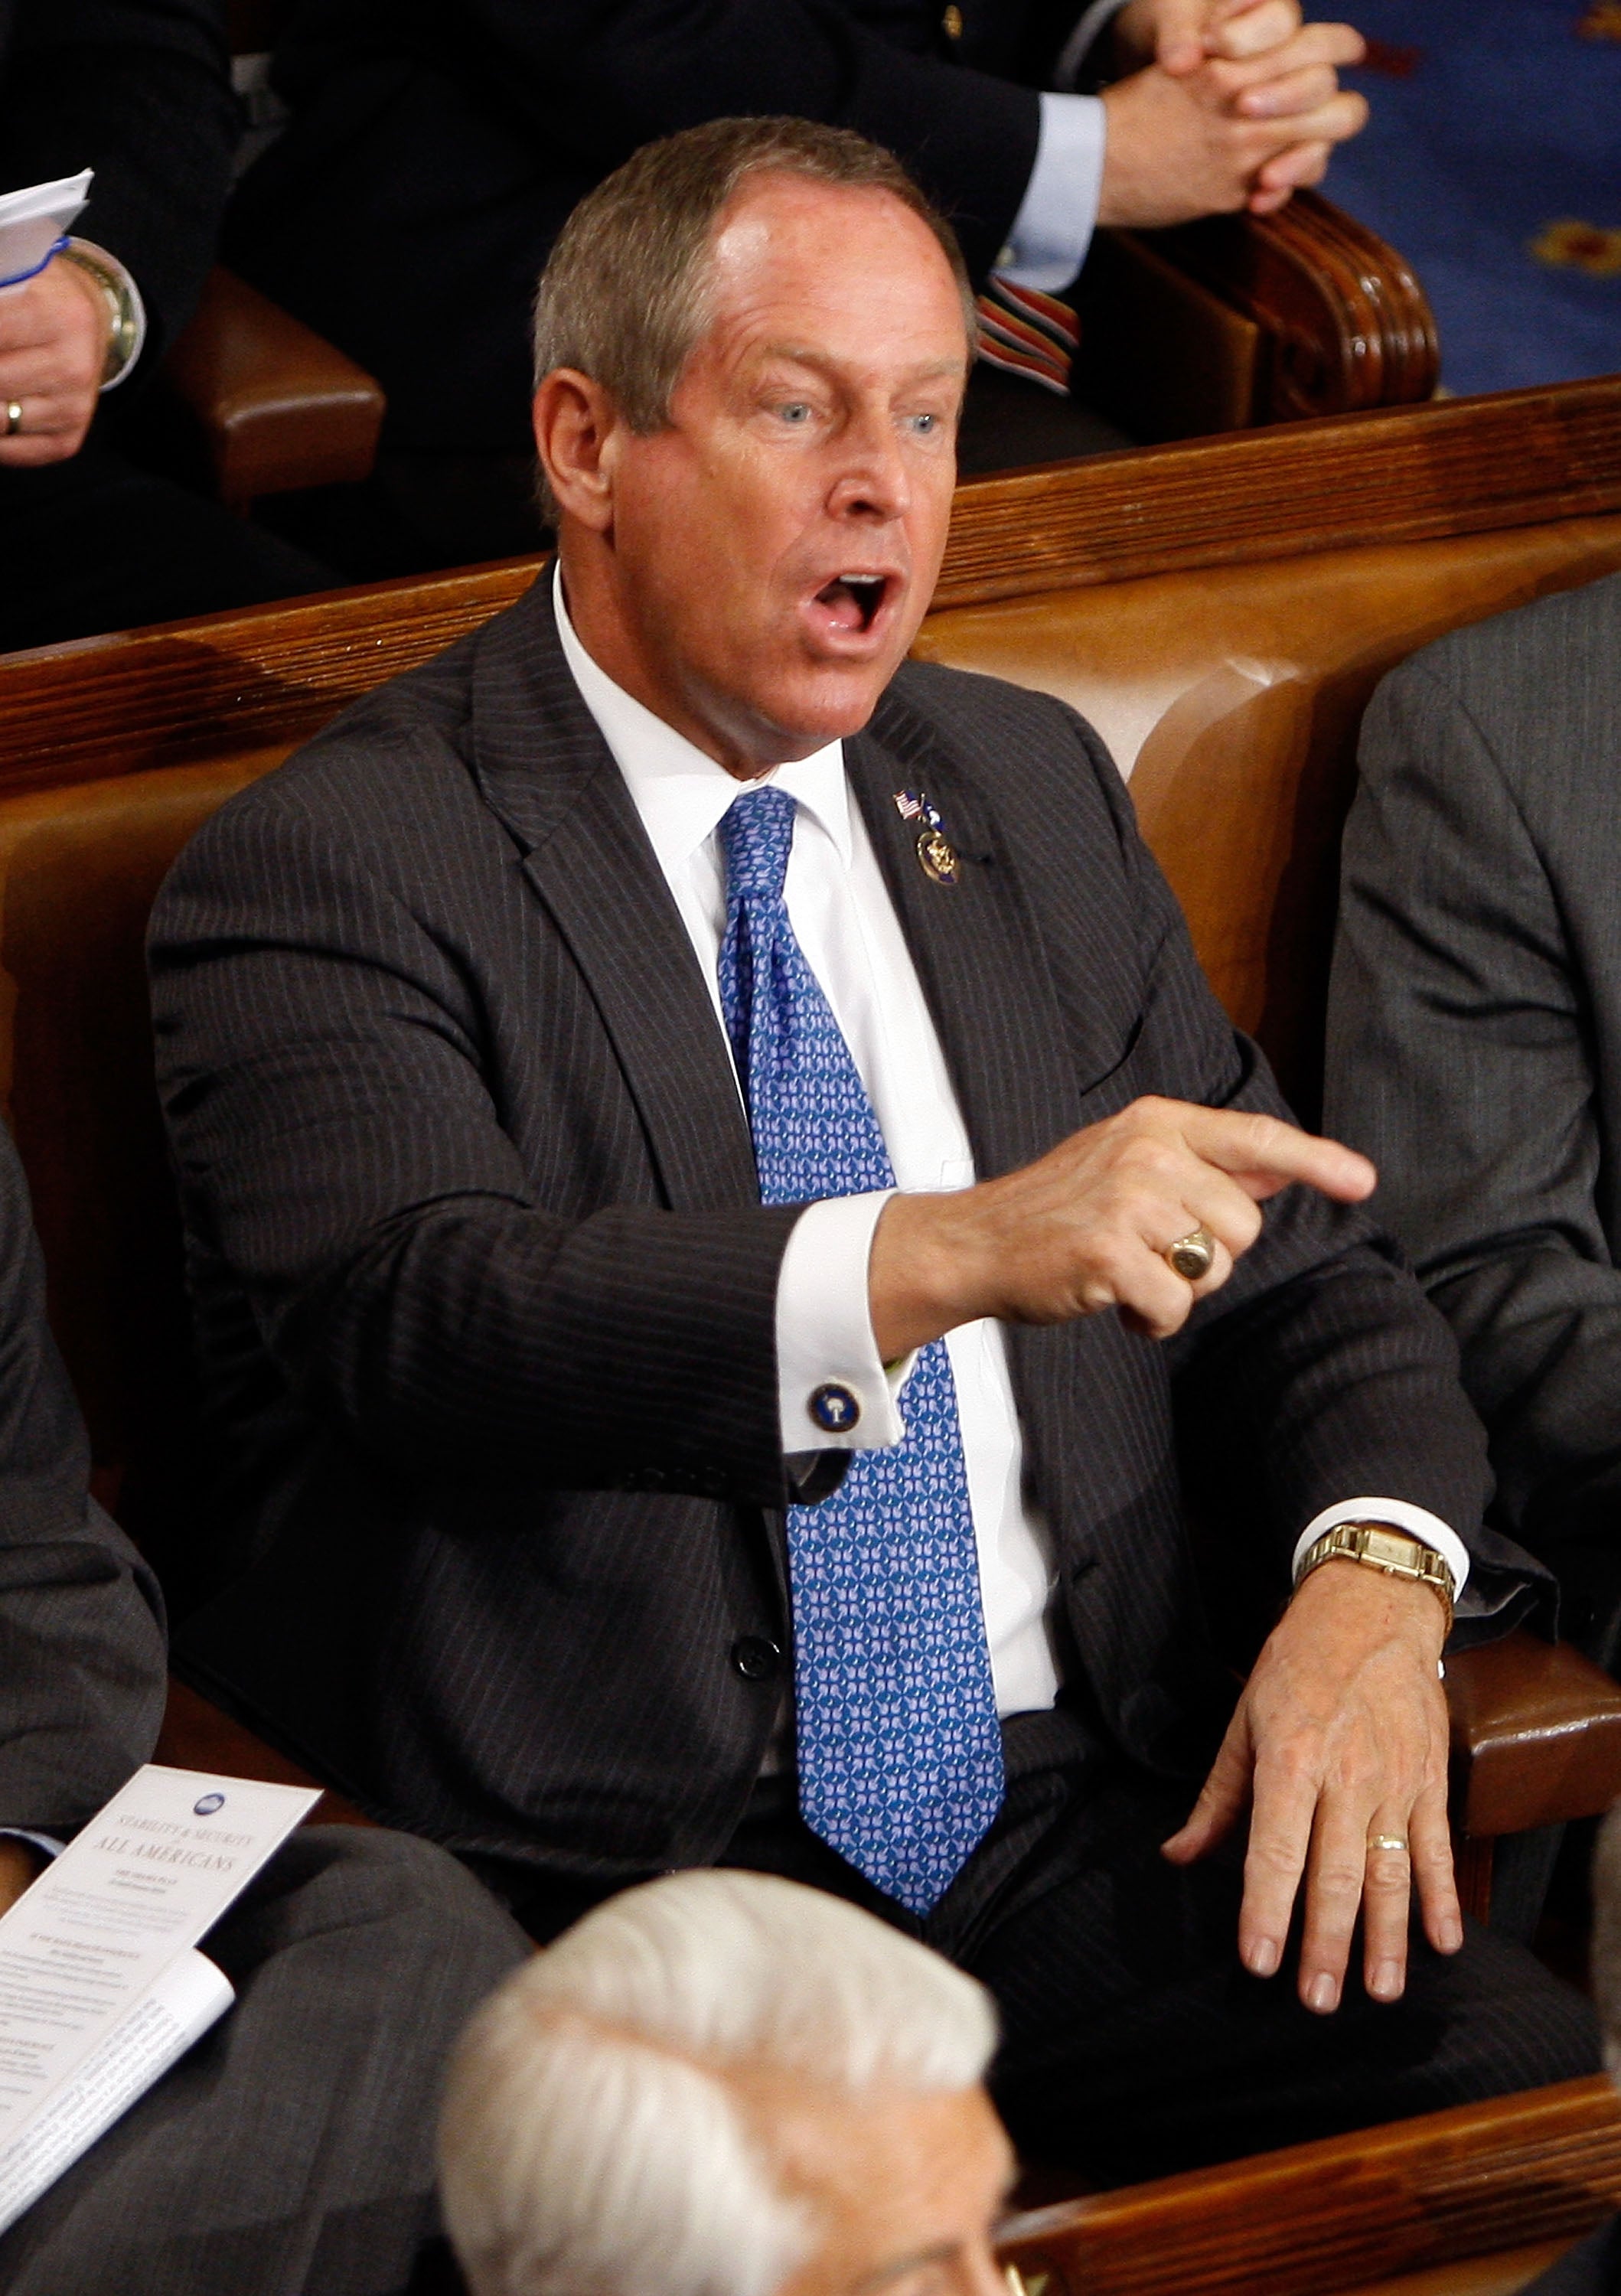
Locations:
(899, 1751)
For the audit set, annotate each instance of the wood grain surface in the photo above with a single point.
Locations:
(270, 677)
(1541, 2167)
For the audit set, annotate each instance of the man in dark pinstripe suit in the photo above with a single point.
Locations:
(518, 1375)
(292, 2149)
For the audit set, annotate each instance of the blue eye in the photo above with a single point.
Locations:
(797, 410)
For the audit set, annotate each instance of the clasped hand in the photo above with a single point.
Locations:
(1341, 1732)
(1234, 103)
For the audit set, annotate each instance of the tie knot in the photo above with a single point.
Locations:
(755, 836)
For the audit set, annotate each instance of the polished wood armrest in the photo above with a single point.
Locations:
(1322, 316)
(1541, 2166)
(1536, 1736)
(278, 407)
(199, 1736)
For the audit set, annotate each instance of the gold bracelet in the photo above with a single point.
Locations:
(1397, 1552)
(125, 327)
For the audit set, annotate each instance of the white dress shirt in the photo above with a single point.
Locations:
(846, 924)
(1052, 230)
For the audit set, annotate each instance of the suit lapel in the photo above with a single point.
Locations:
(548, 774)
(979, 957)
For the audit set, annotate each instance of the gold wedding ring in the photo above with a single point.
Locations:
(1388, 1842)
(1193, 1255)
(14, 417)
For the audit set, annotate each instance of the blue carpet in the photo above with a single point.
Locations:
(1493, 161)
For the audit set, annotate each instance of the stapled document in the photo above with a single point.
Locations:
(33, 222)
(100, 1986)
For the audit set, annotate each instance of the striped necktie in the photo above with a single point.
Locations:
(1027, 332)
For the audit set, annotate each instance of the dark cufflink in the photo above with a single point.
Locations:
(835, 1409)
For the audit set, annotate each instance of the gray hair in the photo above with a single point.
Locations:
(591, 2144)
(625, 295)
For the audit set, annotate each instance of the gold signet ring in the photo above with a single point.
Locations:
(1193, 1255)
(1398, 1842)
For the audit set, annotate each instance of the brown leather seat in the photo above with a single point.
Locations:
(275, 405)
(1230, 689)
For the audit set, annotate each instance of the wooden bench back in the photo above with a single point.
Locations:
(1232, 699)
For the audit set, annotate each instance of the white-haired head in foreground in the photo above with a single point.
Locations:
(603, 2132)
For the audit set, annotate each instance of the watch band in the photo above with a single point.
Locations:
(126, 320)
(1397, 1552)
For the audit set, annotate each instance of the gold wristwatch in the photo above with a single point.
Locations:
(1397, 1552)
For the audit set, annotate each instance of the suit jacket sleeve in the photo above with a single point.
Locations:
(140, 91)
(1320, 1372)
(81, 1636)
(597, 80)
(319, 1052)
(1459, 1060)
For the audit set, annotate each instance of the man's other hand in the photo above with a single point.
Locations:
(1180, 34)
(1340, 1737)
(1239, 107)
(53, 336)
(19, 1863)
(1088, 1227)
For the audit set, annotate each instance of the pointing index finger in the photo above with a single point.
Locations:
(1264, 1154)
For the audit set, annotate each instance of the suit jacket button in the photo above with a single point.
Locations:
(835, 1408)
(756, 1659)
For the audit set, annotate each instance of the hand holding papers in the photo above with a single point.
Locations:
(34, 222)
(101, 1989)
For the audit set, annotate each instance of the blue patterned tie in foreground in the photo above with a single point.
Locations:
(899, 1751)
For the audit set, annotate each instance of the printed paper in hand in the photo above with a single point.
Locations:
(32, 221)
(101, 1989)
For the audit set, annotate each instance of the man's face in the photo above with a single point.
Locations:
(905, 2191)
(772, 551)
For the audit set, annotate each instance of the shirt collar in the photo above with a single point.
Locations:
(679, 794)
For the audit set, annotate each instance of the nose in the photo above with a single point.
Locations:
(983, 2275)
(873, 482)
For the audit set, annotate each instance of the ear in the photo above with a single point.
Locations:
(576, 429)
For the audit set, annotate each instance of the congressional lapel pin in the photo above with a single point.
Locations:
(937, 855)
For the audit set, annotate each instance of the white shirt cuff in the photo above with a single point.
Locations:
(1401, 1516)
(824, 1331)
(1052, 229)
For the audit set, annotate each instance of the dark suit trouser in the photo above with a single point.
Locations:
(292, 2150)
(1135, 2044)
(96, 544)
(1593, 2267)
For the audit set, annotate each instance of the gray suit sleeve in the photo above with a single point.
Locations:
(81, 1636)
(1458, 1059)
